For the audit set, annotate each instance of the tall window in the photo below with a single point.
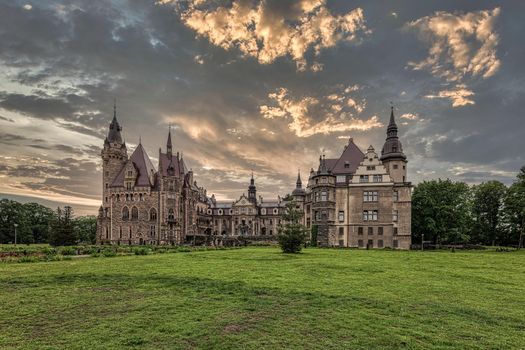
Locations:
(396, 244)
(395, 215)
(152, 231)
(341, 231)
(134, 213)
(396, 196)
(171, 214)
(360, 231)
(324, 196)
(341, 216)
(153, 214)
(395, 231)
(380, 230)
(378, 178)
(370, 196)
(360, 243)
(128, 186)
(380, 243)
(125, 213)
(370, 230)
(363, 178)
(370, 215)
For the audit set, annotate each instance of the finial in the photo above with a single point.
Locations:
(115, 107)
(140, 139)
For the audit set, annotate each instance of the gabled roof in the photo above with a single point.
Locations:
(179, 168)
(352, 156)
(145, 169)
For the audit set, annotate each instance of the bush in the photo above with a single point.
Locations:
(109, 253)
(141, 251)
(67, 250)
(291, 242)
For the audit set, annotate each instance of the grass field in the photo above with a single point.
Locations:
(258, 298)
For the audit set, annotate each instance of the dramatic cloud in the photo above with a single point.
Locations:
(460, 95)
(227, 75)
(462, 46)
(267, 30)
(338, 112)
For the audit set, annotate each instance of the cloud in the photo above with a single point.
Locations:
(337, 111)
(268, 30)
(462, 46)
(409, 116)
(460, 95)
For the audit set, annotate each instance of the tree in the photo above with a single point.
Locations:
(487, 210)
(86, 229)
(11, 213)
(38, 218)
(61, 228)
(441, 210)
(515, 210)
(292, 233)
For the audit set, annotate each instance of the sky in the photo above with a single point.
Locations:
(263, 86)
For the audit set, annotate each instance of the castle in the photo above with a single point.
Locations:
(356, 200)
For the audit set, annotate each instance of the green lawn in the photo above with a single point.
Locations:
(257, 298)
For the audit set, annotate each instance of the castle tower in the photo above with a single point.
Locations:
(114, 156)
(392, 154)
(252, 191)
(323, 206)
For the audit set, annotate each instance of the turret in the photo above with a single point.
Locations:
(392, 154)
(114, 156)
(252, 191)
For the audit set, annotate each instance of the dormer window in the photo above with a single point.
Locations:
(394, 149)
(130, 173)
(347, 164)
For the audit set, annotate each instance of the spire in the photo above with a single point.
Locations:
(299, 183)
(169, 149)
(391, 130)
(114, 128)
(252, 191)
(392, 147)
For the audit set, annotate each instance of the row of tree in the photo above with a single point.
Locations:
(36, 223)
(453, 212)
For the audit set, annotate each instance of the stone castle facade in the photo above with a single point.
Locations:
(357, 200)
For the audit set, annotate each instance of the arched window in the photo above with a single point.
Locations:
(134, 213)
(153, 214)
(125, 213)
(171, 214)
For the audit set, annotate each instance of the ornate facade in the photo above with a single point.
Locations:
(142, 205)
(360, 199)
(357, 200)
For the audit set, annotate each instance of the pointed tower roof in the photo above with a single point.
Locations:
(143, 165)
(299, 191)
(114, 128)
(168, 144)
(392, 149)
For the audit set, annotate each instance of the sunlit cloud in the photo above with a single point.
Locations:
(259, 31)
(460, 95)
(462, 46)
(338, 111)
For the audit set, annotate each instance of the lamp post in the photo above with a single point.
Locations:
(422, 241)
(194, 225)
(15, 225)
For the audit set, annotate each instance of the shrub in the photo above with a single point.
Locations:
(141, 251)
(109, 253)
(28, 259)
(67, 250)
